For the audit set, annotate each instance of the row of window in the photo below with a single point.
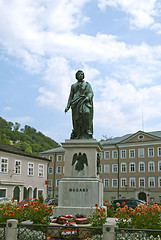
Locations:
(132, 182)
(56, 182)
(18, 166)
(123, 153)
(132, 167)
(59, 170)
(123, 182)
(58, 158)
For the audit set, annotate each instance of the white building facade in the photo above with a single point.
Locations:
(22, 174)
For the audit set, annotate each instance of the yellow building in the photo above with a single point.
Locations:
(130, 167)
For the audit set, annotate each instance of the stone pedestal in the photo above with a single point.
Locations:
(81, 188)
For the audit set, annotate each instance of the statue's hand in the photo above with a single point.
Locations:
(66, 109)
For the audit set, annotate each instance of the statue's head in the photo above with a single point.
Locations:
(79, 75)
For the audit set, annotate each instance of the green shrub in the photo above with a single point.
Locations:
(98, 216)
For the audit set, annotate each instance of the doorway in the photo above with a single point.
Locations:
(16, 193)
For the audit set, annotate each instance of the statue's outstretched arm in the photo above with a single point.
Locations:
(69, 100)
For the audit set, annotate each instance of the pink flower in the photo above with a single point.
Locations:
(35, 209)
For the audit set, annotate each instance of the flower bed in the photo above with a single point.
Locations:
(98, 217)
(145, 216)
(36, 212)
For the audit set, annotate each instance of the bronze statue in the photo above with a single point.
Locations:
(81, 102)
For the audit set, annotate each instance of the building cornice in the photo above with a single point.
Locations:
(15, 183)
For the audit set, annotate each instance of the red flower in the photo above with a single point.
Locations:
(98, 215)
(96, 205)
(46, 210)
(35, 209)
(8, 208)
(104, 204)
(132, 212)
(123, 203)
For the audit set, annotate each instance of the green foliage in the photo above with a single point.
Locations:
(41, 199)
(109, 208)
(27, 138)
(3, 138)
(98, 216)
(24, 146)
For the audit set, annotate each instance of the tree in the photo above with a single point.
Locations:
(16, 126)
(24, 146)
(4, 139)
(26, 138)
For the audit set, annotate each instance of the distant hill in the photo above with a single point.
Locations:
(26, 138)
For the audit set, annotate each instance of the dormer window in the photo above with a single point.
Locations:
(140, 137)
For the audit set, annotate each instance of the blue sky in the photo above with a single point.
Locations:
(117, 43)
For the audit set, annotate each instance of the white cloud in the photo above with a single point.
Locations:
(33, 34)
(42, 36)
(21, 120)
(30, 24)
(122, 104)
(57, 80)
(156, 27)
(141, 12)
(7, 109)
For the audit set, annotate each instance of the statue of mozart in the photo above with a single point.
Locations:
(81, 102)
